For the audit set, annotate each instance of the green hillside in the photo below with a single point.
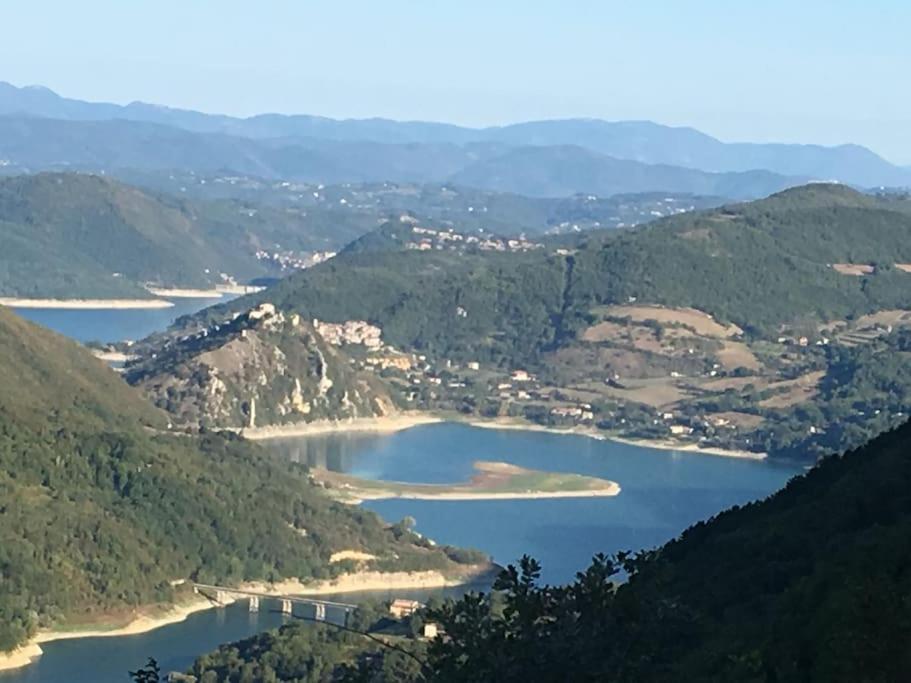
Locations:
(100, 509)
(758, 326)
(72, 235)
(758, 265)
(82, 236)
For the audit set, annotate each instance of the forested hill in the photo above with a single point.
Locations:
(759, 265)
(100, 509)
(71, 235)
(48, 382)
(762, 263)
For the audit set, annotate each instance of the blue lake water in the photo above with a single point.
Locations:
(175, 647)
(663, 492)
(109, 325)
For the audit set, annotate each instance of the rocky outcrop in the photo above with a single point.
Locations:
(263, 368)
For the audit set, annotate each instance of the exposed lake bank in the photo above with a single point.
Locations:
(594, 433)
(400, 421)
(85, 304)
(216, 292)
(379, 425)
(365, 581)
(151, 618)
(142, 622)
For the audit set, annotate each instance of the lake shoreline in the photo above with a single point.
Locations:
(696, 449)
(143, 623)
(402, 421)
(355, 582)
(592, 433)
(85, 304)
(374, 581)
(216, 292)
(377, 425)
(185, 293)
(531, 495)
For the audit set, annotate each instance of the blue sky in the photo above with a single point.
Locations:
(798, 71)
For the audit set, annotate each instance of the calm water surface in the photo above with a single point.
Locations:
(108, 660)
(663, 493)
(110, 325)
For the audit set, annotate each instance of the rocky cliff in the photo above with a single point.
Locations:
(262, 368)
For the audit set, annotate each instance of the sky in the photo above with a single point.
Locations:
(825, 72)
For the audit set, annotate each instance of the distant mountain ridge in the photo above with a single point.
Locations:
(30, 144)
(642, 141)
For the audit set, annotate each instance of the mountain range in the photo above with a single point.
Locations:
(99, 135)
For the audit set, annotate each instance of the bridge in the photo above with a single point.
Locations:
(222, 594)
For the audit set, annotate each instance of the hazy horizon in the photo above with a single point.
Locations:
(445, 122)
(814, 73)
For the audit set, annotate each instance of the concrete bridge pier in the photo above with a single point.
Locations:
(320, 611)
(221, 598)
(254, 603)
(286, 607)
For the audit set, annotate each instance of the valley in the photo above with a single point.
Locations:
(379, 361)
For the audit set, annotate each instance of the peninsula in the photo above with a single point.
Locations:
(493, 481)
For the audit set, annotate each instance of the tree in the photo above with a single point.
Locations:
(150, 673)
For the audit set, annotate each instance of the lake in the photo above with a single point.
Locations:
(108, 660)
(110, 325)
(663, 492)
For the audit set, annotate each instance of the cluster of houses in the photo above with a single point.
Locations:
(582, 413)
(350, 332)
(428, 239)
(289, 260)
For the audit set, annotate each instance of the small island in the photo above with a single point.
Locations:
(493, 481)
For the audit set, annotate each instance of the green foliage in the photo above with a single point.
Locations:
(71, 235)
(100, 510)
(866, 391)
(758, 265)
(150, 673)
(296, 653)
